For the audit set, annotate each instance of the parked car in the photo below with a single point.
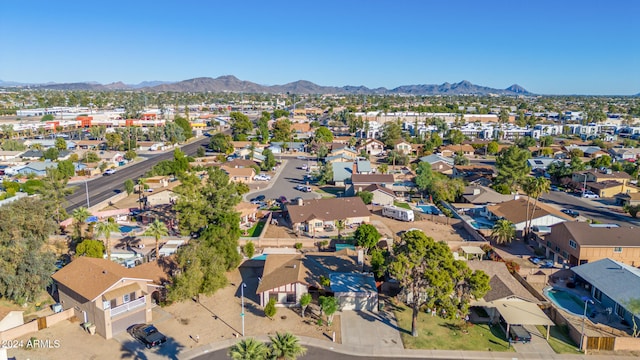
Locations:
(571, 213)
(590, 195)
(147, 334)
(547, 264)
(519, 333)
(109, 172)
(554, 188)
(534, 260)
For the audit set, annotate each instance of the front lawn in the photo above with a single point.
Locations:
(402, 205)
(559, 340)
(436, 333)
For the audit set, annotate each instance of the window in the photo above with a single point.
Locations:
(126, 298)
(273, 296)
(291, 298)
(597, 294)
(617, 250)
(620, 311)
(573, 244)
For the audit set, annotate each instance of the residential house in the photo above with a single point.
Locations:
(628, 199)
(342, 171)
(290, 146)
(112, 158)
(240, 163)
(372, 147)
(451, 150)
(483, 195)
(540, 163)
(402, 147)
(620, 154)
(613, 285)
(10, 319)
(469, 171)
(240, 175)
(248, 213)
(604, 183)
(441, 164)
(508, 302)
(157, 182)
(345, 152)
(516, 212)
(32, 155)
(577, 243)
(161, 197)
(361, 181)
(303, 130)
(107, 295)
(589, 151)
(101, 145)
(286, 277)
(316, 215)
(10, 155)
(37, 168)
(381, 195)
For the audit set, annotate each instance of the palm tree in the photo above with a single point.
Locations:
(106, 228)
(80, 215)
(157, 229)
(340, 225)
(534, 187)
(286, 346)
(503, 231)
(248, 349)
(141, 184)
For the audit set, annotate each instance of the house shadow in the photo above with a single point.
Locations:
(132, 349)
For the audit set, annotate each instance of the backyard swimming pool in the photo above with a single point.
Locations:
(481, 224)
(429, 209)
(128, 229)
(567, 301)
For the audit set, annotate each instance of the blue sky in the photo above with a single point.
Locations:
(548, 47)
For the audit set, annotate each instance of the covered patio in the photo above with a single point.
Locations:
(516, 312)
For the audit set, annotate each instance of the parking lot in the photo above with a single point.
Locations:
(284, 182)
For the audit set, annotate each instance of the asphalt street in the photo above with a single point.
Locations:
(589, 208)
(285, 182)
(104, 187)
(313, 353)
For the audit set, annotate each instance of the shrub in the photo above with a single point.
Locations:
(298, 245)
(270, 309)
(249, 249)
(512, 266)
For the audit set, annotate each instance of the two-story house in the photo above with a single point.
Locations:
(372, 147)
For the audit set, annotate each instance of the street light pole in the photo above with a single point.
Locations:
(584, 316)
(584, 186)
(86, 187)
(242, 286)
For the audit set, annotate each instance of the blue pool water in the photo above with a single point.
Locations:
(567, 301)
(478, 223)
(429, 209)
(127, 228)
(262, 257)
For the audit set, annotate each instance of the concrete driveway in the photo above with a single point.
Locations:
(538, 344)
(372, 330)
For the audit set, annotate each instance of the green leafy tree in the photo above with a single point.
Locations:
(455, 137)
(366, 196)
(633, 307)
(492, 147)
(367, 237)
(424, 176)
(534, 188)
(270, 309)
(378, 259)
(431, 277)
(105, 228)
(157, 229)
(269, 160)
(396, 158)
(114, 140)
(526, 142)
(249, 249)
(601, 161)
(91, 248)
(26, 263)
(51, 154)
(323, 135)
(91, 157)
(221, 143)
(282, 130)
(200, 152)
(185, 126)
(241, 126)
(503, 118)
(286, 346)
(130, 155)
(326, 174)
(305, 300)
(446, 189)
(249, 349)
(60, 144)
(633, 210)
(576, 164)
(546, 140)
(263, 127)
(512, 166)
(329, 306)
(503, 231)
(460, 159)
(383, 168)
(391, 132)
(66, 168)
(53, 192)
(129, 186)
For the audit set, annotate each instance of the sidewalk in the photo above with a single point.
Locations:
(365, 351)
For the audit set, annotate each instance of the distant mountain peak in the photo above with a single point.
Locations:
(517, 89)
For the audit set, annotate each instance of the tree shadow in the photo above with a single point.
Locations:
(133, 349)
(216, 317)
(382, 317)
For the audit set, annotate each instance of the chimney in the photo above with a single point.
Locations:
(355, 167)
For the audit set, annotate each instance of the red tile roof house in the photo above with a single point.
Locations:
(108, 295)
(313, 215)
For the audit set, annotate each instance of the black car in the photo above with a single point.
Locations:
(571, 213)
(147, 334)
(259, 198)
(519, 333)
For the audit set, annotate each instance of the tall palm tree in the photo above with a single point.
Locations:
(286, 346)
(106, 228)
(249, 349)
(141, 184)
(157, 229)
(79, 215)
(503, 231)
(340, 225)
(534, 187)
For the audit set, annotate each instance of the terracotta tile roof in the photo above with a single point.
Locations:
(90, 277)
(516, 210)
(328, 209)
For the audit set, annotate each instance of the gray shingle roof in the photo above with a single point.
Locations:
(618, 281)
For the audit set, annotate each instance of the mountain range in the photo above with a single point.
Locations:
(230, 83)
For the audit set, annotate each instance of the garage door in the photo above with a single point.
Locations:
(357, 301)
(121, 325)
